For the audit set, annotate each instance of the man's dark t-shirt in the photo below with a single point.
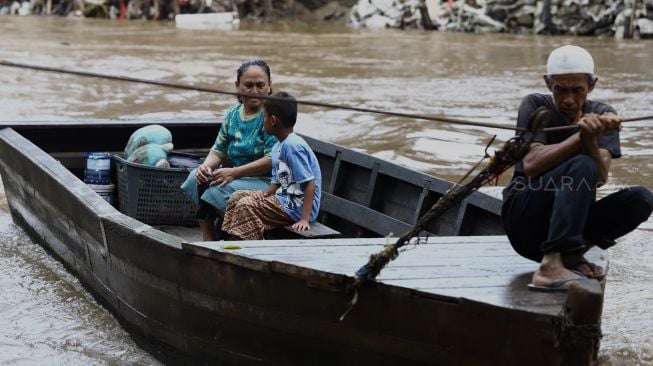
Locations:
(609, 140)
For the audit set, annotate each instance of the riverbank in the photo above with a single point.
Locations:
(616, 18)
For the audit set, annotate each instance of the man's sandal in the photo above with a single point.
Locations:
(573, 265)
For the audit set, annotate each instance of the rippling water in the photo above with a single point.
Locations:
(47, 315)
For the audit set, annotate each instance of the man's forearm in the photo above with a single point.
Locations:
(602, 159)
(543, 158)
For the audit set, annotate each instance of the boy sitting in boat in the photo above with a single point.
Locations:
(296, 186)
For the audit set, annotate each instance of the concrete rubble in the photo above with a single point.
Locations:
(571, 17)
(123, 9)
(619, 18)
(256, 10)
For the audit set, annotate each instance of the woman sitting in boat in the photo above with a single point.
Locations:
(242, 140)
(294, 195)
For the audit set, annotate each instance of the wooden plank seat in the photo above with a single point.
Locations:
(317, 231)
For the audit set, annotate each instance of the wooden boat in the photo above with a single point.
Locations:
(459, 299)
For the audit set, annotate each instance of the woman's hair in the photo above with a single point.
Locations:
(253, 62)
(285, 110)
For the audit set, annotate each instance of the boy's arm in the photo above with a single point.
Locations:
(309, 193)
(271, 189)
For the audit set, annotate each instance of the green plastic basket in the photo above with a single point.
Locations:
(152, 195)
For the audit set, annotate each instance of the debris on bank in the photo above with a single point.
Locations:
(619, 18)
(571, 17)
(223, 11)
(123, 9)
(204, 20)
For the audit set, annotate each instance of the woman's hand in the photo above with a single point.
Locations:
(301, 225)
(203, 174)
(224, 176)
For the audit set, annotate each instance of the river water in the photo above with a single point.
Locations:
(47, 317)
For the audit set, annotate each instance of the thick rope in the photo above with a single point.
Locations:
(452, 121)
(258, 96)
(575, 127)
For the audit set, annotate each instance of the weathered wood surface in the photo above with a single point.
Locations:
(484, 269)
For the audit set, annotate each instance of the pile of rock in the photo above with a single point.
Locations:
(125, 9)
(391, 14)
(575, 17)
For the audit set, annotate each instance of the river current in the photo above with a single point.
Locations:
(47, 317)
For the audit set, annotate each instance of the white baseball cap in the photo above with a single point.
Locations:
(570, 60)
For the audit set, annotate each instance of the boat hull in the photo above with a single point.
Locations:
(215, 306)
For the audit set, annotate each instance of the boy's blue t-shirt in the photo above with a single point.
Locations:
(293, 165)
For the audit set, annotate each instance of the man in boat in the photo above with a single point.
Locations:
(550, 212)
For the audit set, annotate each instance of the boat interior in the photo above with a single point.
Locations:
(370, 206)
(362, 196)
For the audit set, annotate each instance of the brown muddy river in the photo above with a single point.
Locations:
(47, 317)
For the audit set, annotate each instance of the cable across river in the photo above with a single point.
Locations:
(452, 121)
